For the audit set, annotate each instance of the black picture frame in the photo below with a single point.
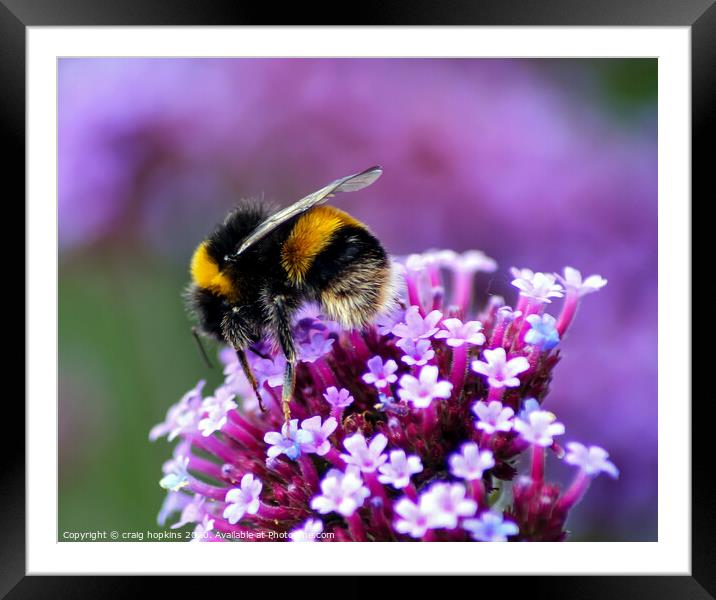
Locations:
(17, 15)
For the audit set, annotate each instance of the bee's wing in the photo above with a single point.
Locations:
(351, 183)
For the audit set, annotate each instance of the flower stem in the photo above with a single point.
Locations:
(236, 418)
(309, 471)
(569, 309)
(337, 414)
(333, 457)
(457, 373)
(430, 417)
(411, 492)
(532, 307)
(355, 527)
(477, 491)
(376, 487)
(239, 434)
(210, 491)
(205, 467)
(463, 289)
(537, 463)
(495, 393)
(279, 513)
(574, 492)
(414, 294)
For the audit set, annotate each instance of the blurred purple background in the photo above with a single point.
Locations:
(540, 163)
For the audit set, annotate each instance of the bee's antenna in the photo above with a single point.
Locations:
(195, 333)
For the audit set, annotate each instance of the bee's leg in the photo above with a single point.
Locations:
(235, 331)
(250, 376)
(282, 326)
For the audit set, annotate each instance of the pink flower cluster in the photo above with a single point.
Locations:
(428, 425)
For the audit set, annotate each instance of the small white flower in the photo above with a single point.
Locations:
(243, 500)
(538, 286)
(181, 417)
(417, 353)
(417, 327)
(469, 262)
(202, 529)
(291, 441)
(366, 457)
(445, 503)
(471, 463)
(539, 428)
(457, 333)
(499, 371)
(216, 407)
(398, 471)
(423, 390)
(343, 493)
(176, 474)
(543, 331)
(592, 460)
(338, 398)
(493, 417)
(490, 527)
(191, 512)
(413, 519)
(310, 530)
(572, 280)
(380, 375)
(319, 433)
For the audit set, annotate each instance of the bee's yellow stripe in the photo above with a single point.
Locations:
(206, 274)
(311, 234)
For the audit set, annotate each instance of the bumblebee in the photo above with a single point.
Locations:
(255, 269)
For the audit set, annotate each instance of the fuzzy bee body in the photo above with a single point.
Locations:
(242, 291)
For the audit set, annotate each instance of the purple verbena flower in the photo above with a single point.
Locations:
(445, 504)
(422, 390)
(319, 434)
(216, 408)
(182, 416)
(541, 287)
(318, 346)
(381, 374)
(572, 281)
(413, 520)
(176, 474)
(499, 371)
(539, 428)
(338, 398)
(543, 331)
(417, 327)
(270, 370)
(367, 457)
(308, 532)
(471, 462)
(400, 468)
(493, 417)
(417, 352)
(243, 500)
(341, 492)
(291, 441)
(490, 527)
(592, 460)
(457, 333)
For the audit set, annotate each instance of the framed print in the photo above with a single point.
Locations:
(421, 280)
